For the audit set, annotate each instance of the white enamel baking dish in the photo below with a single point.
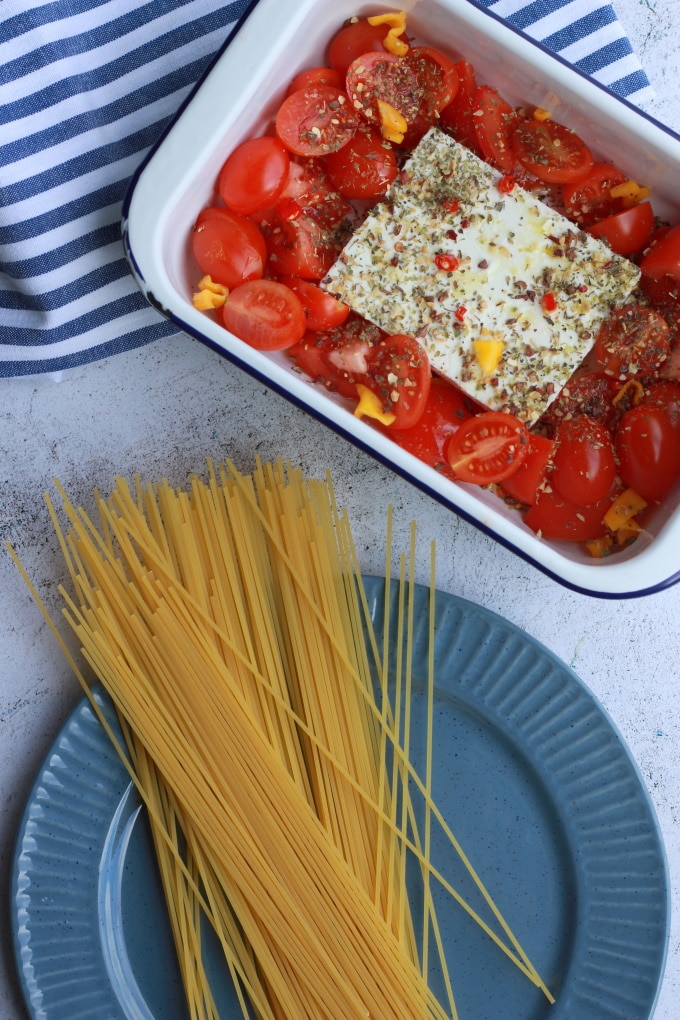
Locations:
(275, 39)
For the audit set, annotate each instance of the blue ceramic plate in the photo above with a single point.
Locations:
(536, 783)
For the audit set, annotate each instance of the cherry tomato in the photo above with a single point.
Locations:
(445, 410)
(338, 358)
(399, 374)
(254, 175)
(487, 448)
(628, 231)
(589, 393)
(493, 121)
(298, 244)
(634, 340)
(666, 396)
(457, 118)
(663, 257)
(316, 120)
(524, 483)
(323, 311)
(265, 314)
(228, 247)
(663, 293)
(590, 200)
(648, 450)
(316, 76)
(311, 190)
(364, 168)
(353, 40)
(384, 77)
(554, 517)
(551, 151)
(583, 465)
(437, 77)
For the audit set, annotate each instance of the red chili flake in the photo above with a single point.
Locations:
(449, 263)
(549, 302)
(461, 312)
(506, 184)
(288, 209)
(452, 205)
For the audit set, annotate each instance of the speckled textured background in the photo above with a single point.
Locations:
(164, 409)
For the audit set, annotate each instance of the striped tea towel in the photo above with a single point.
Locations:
(86, 87)
(587, 33)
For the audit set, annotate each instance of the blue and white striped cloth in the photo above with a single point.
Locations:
(86, 86)
(586, 33)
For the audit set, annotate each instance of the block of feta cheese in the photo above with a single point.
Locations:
(505, 294)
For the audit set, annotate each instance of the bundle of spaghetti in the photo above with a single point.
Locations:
(187, 602)
(230, 626)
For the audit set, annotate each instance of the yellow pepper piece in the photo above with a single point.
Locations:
(392, 125)
(631, 192)
(370, 406)
(209, 294)
(623, 509)
(488, 354)
(601, 547)
(628, 532)
(397, 22)
(541, 114)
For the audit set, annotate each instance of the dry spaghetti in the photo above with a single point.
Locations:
(229, 625)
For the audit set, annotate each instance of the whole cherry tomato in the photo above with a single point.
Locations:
(254, 175)
(227, 247)
(364, 168)
(583, 463)
(648, 450)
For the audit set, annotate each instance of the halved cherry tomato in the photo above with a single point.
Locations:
(524, 483)
(338, 358)
(587, 393)
(663, 257)
(254, 175)
(265, 314)
(382, 76)
(633, 340)
(457, 118)
(353, 40)
(445, 410)
(364, 168)
(493, 120)
(316, 120)
(228, 247)
(323, 311)
(583, 466)
(437, 76)
(554, 517)
(399, 374)
(648, 450)
(590, 200)
(628, 231)
(551, 151)
(487, 448)
(316, 76)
